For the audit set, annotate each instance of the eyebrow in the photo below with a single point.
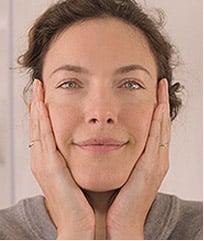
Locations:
(132, 67)
(82, 70)
(71, 68)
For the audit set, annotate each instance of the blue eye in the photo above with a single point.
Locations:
(69, 85)
(132, 85)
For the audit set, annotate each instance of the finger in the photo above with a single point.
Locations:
(36, 146)
(46, 132)
(38, 93)
(44, 147)
(34, 123)
(163, 97)
(40, 123)
(153, 141)
(160, 127)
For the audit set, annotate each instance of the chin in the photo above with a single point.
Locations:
(100, 182)
(101, 173)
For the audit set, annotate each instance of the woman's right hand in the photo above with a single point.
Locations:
(67, 205)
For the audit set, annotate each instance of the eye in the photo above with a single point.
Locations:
(69, 85)
(132, 85)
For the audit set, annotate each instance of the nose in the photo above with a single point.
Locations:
(101, 119)
(101, 111)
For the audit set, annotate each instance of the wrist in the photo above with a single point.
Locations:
(126, 236)
(89, 235)
(127, 233)
(70, 232)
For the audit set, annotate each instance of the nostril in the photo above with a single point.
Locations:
(109, 121)
(94, 120)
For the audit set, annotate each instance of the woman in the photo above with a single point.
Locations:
(100, 116)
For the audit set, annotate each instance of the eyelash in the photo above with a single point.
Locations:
(128, 84)
(133, 85)
(70, 84)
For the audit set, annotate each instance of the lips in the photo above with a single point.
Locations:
(101, 145)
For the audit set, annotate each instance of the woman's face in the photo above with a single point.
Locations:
(100, 81)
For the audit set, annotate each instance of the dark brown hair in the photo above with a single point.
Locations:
(67, 12)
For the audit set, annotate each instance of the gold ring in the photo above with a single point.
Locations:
(164, 145)
(33, 142)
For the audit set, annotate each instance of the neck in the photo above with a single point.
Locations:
(100, 202)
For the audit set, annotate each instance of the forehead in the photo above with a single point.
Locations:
(105, 40)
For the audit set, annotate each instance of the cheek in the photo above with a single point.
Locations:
(138, 121)
(64, 120)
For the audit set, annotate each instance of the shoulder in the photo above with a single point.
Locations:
(190, 220)
(25, 220)
(174, 218)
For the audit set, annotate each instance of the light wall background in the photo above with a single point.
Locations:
(184, 25)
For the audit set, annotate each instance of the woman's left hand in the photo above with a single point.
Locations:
(127, 214)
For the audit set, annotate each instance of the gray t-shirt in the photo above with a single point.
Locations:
(169, 218)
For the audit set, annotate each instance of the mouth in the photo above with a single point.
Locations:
(101, 145)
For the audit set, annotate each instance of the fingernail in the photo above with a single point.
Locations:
(37, 87)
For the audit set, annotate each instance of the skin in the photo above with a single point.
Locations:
(124, 115)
